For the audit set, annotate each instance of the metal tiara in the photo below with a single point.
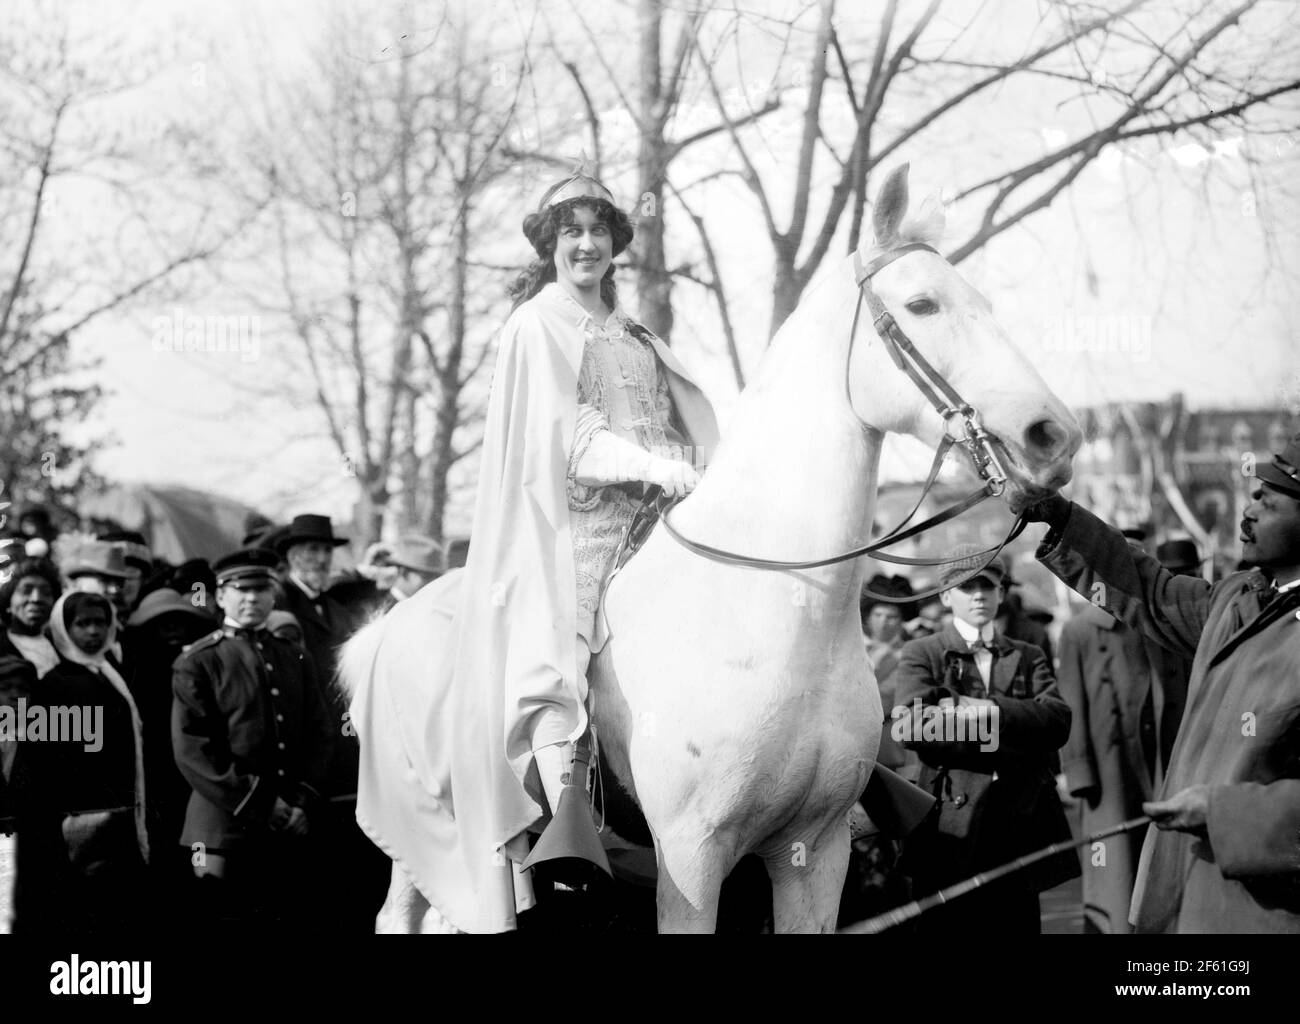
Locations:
(580, 185)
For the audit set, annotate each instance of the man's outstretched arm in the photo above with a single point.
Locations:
(1096, 561)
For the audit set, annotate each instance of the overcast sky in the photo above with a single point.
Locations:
(1212, 311)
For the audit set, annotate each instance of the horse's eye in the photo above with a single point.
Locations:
(922, 307)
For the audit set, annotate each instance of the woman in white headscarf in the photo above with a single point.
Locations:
(92, 769)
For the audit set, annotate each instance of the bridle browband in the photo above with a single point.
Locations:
(976, 441)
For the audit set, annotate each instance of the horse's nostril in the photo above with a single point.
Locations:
(1045, 440)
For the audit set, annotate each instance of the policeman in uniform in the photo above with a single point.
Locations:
(252, 736)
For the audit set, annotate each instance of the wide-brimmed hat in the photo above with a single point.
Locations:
(306, 529)
(1283, 473)
(164, 601)
(98, 558)
(1178, 554)
(422, 554)
(964, 559)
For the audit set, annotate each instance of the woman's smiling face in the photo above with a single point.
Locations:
(584, 250)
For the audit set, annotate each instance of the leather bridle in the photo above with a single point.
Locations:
(975, 441)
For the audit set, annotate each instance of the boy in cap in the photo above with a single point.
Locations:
(252, 736)
(982, 712)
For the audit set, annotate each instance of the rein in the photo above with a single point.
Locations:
(975, 440)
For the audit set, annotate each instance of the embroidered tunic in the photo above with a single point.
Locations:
(620, 388)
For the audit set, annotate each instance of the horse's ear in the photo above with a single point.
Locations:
(890, 206)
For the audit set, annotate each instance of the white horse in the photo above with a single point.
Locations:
(737, 705)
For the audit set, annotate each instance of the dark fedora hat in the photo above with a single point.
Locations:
(1178, 554)
(1283, 473)
(306, 529)
(165, 601)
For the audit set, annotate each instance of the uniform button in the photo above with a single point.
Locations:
(274, 692)
(269, 668)
(280, 772)
(279, 718)
(280, 745)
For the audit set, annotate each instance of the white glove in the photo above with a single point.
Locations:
(609, 459)
(677, 479)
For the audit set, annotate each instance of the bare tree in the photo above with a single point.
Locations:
(378, 178)
(61, 155)
(903, 84)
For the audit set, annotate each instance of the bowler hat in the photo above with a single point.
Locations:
(306, 529)
(98, 558)
(891, 586)
(246, 564)
(422, 554)
(1283, 473)
(1178, 554)
(965, 559)
(164, 601)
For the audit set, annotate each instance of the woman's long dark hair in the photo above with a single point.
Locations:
(542, 231)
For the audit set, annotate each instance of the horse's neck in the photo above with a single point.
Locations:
(795, 475)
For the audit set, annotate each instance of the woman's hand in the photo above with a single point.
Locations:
(677, 479)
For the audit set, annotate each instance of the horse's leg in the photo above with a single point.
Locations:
(690, 878)
(808, 878)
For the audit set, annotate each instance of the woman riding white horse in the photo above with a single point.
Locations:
(584, 399)
(735, 704)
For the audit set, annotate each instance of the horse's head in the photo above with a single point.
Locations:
(952, 326)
